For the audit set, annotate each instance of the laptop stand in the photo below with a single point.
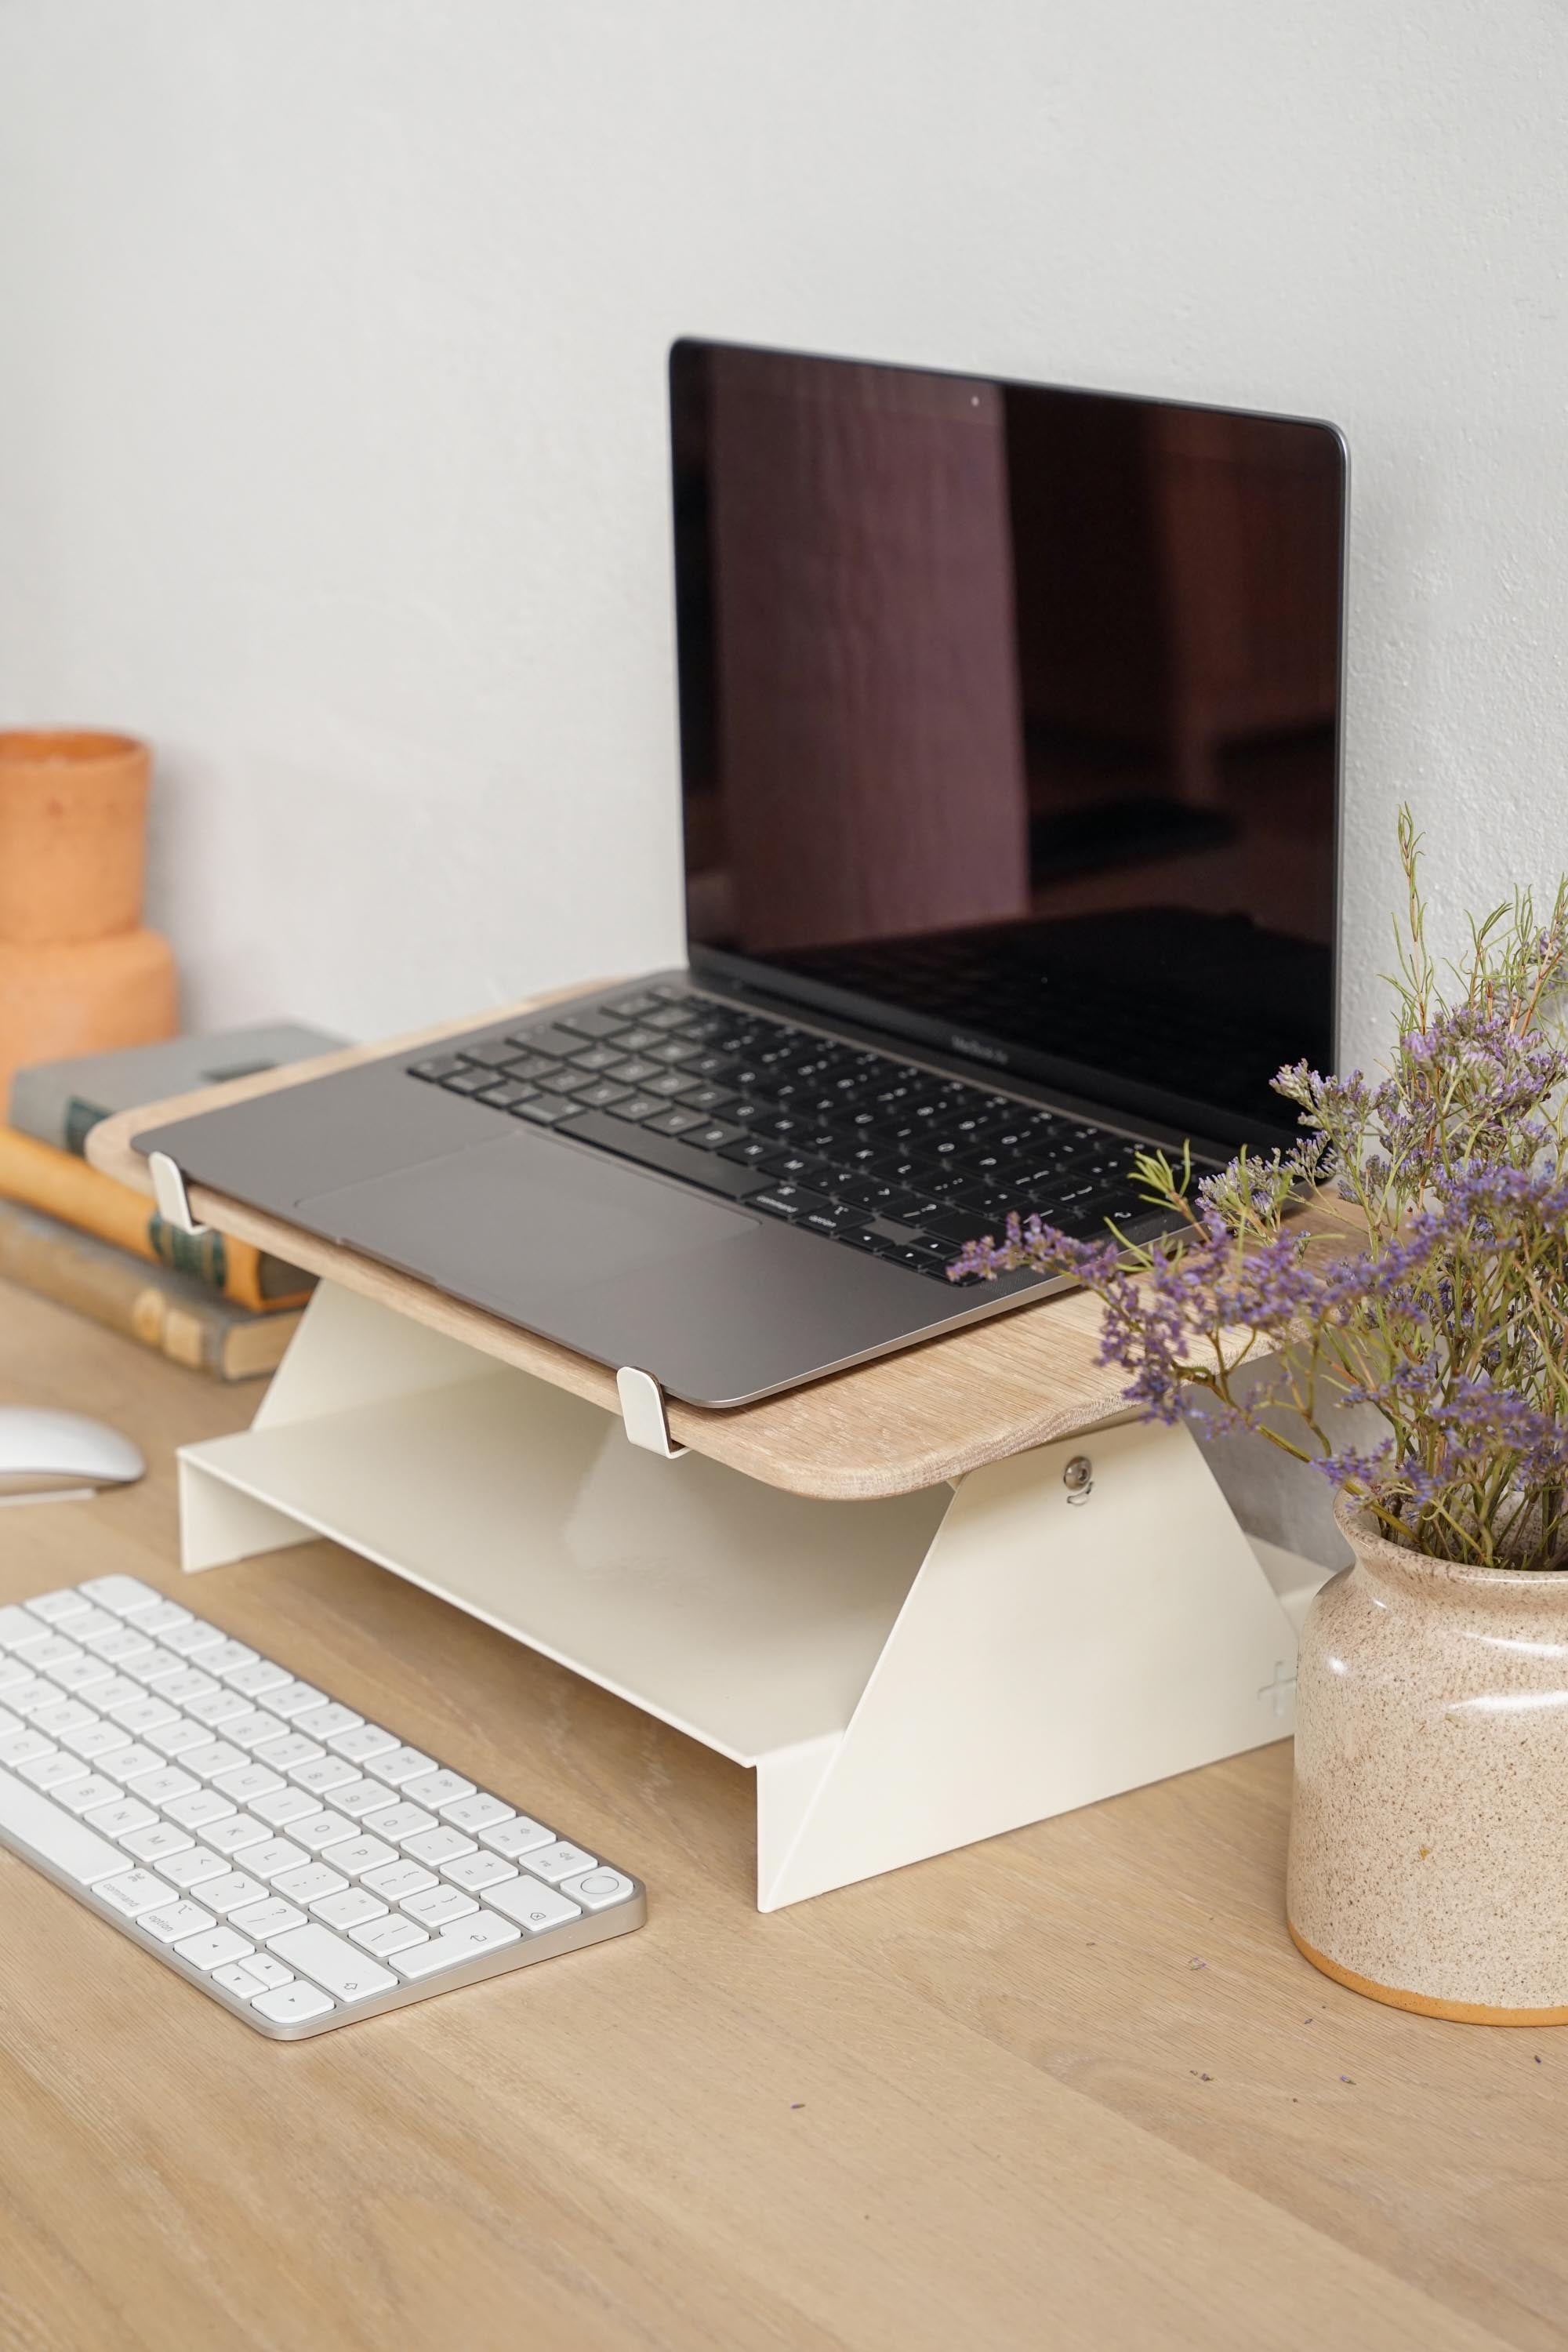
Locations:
(926, 1601)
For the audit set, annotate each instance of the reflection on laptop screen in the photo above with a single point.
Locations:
(1010, 719)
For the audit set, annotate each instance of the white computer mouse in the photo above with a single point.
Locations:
(43, 1453)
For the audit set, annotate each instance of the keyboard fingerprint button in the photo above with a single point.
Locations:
(597, 1889)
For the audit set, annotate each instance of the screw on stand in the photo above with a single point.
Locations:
(1077, 1477)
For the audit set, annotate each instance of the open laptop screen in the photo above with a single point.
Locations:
(1010, 721)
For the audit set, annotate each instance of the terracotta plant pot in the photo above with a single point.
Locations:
(1429, 1832)
(77, 973)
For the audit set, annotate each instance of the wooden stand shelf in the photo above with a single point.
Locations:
(879, 1592)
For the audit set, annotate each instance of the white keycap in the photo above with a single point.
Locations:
(294, 1697)
(437, 1846)
(359, 1798)
(351, 1908)
(254, 1729)
(227, 1658)
(77, 1851)
(597, 1889)
(131, 1764)
(126, 1595)
(258, 1677)
(120, 1642)
(173, 1921)
(234, 1835)
(157, 1788)
(143, 1714)
(443, 1789)
(54, 1608)
(54, 1767)
(324, 1774)
(199, 1810)
(285, 1808)
(65, 1715)
(400, 1822)
(395, 1881)
(93, 1795)
(475, 1871)
(560, 1861)
(115, 1815)
(272, 1972)
(294, 2003)
(359, 1854)
(439, 1906)
(19, 1747)
(15, 1625)
(260, 1921)
(328, 1961)
(534, 1906)
(243, 1782)
(182, 1688)
(361, 1741)
(80, 1673)
(173, 1738)
(45, 1649)
(133, 1892)
(14, 1670)
(322, 1832)
(190, 1869)
(188, 1641)
(164, 1618)
(156, 1844)
(144, 1674)
(476, 1813)
(291, 1747)
(270, 1860)
(400, 1765)
(25, 1698)
(464, 1940)
(309, 1882)
(221, 1709)
(96, 1740)
(232, 1892)
(389, 1935)
(8, 1723)
(238, 1979)
(322, 1721)
(217, 1756)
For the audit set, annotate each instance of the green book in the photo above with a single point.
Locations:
(61, 1102)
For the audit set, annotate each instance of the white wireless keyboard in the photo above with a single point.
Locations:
(302, 1867)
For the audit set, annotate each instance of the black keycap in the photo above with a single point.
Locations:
(442, 1066)
(556, 1043)
(634, 1007)
(707, 1169)
(489, 1056)
(673, 1085)
(601, 1094)
(712, 1134)
(831, 1218)
(632, 1069)
(638, 1040)
(673, 1050)
(468, 1081)
(560, 1078)
(748, 1148)
(794, 1166)
(637, 1107)
(545, 1110)
(712, 1064)
(507, 1096)
(708, 1099)
(790, 1200)
(667, 1017)
(865, 1193)
(593, 1024)
(596, 1058)
(527, 1065)
(675, 1121)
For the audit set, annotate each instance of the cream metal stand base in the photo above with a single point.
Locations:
(903, 1676)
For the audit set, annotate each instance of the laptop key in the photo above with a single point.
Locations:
(637, 1107)
(545, 1110)
(468, 1080)
(675, 1121)
(749, 1148)
(709, 1135)
(600, 1093)
(440, 1065)
(787, 1200)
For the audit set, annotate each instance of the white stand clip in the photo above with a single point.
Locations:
(642, 1410)
(169, 1191)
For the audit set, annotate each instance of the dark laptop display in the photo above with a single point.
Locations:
(1010, 748)
(1009, 719)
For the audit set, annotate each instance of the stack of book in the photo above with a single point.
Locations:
(68, 1233)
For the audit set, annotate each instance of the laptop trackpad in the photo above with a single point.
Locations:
(513, 1223)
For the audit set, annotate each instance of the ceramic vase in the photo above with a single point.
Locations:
(1429, 1830)
(79, 973)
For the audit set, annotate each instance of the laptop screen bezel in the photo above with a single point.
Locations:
(986, 1053)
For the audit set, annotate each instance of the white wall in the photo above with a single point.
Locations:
(332, 446)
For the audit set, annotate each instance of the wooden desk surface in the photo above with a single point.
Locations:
(1070, 2088)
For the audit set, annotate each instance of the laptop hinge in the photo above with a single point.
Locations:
(169, 1191)
(642, 1410)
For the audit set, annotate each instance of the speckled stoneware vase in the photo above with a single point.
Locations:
(1429, 1834)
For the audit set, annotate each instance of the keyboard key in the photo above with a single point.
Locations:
(95, 1739)
(189, 1869)
(219, 1946)
(476, 1812)
(382, 1937)
(437, 1846)
(259, 1676)
(65, 1715)
(322, 1773)
(140, 1716)
(474, 1871)
(534, 1907)
(234, 1891)
(188, 1639)
(254, 1729)
(321, 1719)
(399, 1765)
(272, 1972)
(361, 1741)
(439, 1790)
(55, 1766)
(173, 1738)
(271, 1859)
(351, 1908)
(439, 1906)
(321, 1832)
(597, 1889)
(359, 1854)
(54, 1608)
(464, 1940)
(113, 1814)
(561, 1860)
(206, 1763)
(242, 1783)
(520, 1835)
(358, 1798)
(157, 1788)
(171, 1922)
(292, 1748)
(261, 1921)
(237, 1834)
(238, 1979)
(394, 1881)
(309, 1882)
(400, 1822)
(156, 1844)
(125, 1595)
(285, 1807)
(133, 1892)
(75, 1675)
(19, 1747)
(226, 1657)
(293, 2004)
(328, 1961)
(127, 1764)
(91, 1795)
(182, 1688)
(162, 1619)
(294, 1697)
(199, 1810)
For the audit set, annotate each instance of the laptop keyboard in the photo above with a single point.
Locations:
(837, 1138)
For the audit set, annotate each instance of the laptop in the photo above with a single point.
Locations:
(1010, 727)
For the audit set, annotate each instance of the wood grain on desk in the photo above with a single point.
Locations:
(1068, 2089)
